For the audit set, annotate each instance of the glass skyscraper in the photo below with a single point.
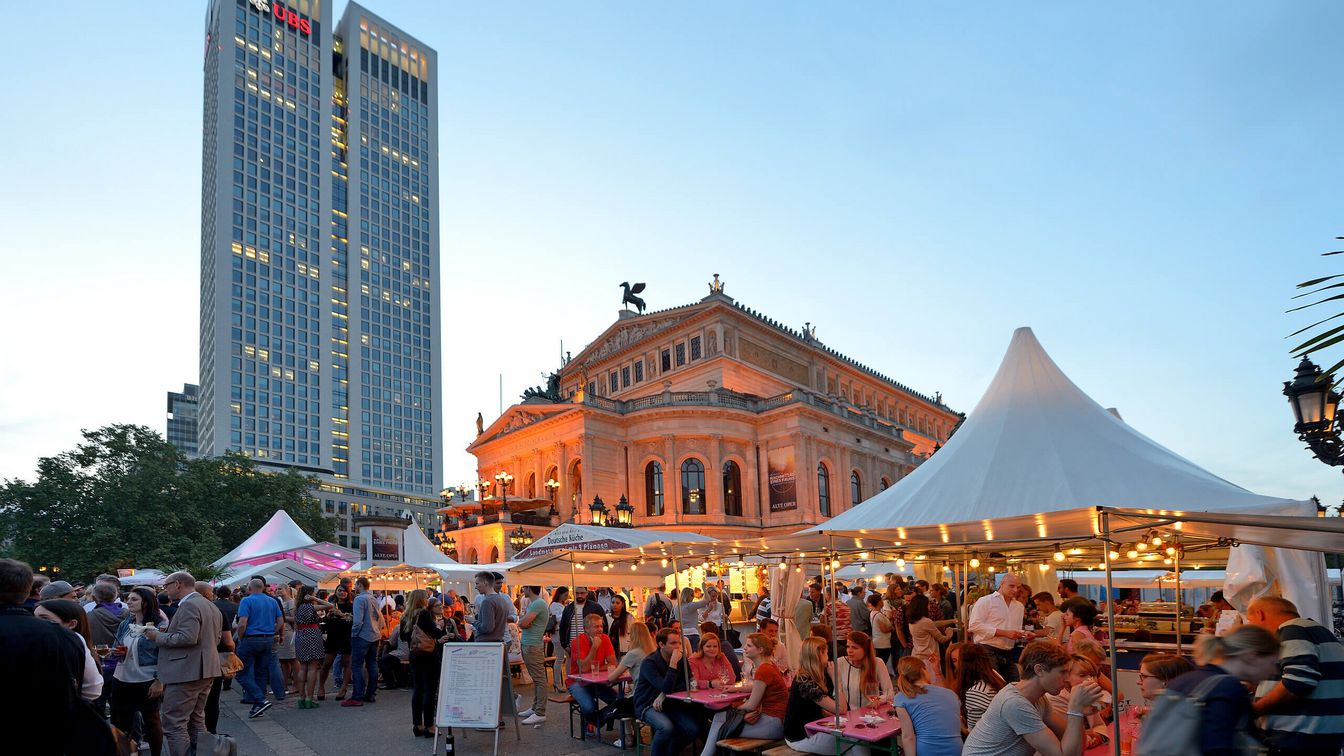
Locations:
(320, 245)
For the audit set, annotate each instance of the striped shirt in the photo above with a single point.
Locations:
(1311, 667)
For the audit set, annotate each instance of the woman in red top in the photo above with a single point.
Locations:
(591, 652)
(761, 715)
(709, 667)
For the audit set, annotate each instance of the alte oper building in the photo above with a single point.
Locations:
(708, 417)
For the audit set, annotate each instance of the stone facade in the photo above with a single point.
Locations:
(696, 413)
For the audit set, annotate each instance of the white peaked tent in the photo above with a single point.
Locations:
(417, 553)
(1038, 459)
(281, 538)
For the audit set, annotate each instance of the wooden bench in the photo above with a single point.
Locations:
(748, 745)
(782, 750)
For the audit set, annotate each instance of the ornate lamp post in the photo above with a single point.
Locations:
(1315, 406)
(625, 514)
(598, 511)
(504, 479)
(552, 487)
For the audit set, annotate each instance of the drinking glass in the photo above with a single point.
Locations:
(874, 695)
(723, 678)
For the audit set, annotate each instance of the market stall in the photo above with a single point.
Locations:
(282, 539)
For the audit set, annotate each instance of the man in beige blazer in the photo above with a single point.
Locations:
(188, 662)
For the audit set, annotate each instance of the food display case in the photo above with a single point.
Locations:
(1153, 628)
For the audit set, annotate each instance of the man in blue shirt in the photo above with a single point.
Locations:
(365, 633)
(674, 724)
(258, 622)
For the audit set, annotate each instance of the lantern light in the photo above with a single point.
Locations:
(975, 562)
(1059, 555)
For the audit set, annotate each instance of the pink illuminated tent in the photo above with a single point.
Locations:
(282, 539)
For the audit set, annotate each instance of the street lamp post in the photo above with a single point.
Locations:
(1315, 406)
(552, 487)
(625, 514)
(520, 539)
(598, 511)
(505, 480)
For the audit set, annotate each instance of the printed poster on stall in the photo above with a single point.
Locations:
(783, 479)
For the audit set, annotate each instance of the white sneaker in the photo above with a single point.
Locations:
(618, 743)
(534, 719)
(525, 713)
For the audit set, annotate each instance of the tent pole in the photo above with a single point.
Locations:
(829, 561)
(1176, 560)
(1110, 623)
(681, 631)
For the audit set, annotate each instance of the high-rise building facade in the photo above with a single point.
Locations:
(319, 245)
(183, 408)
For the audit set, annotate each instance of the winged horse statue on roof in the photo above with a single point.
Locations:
(630, 298)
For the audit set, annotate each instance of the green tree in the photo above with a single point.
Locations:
(127, 498)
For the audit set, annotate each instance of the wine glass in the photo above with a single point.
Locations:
(723, 678)
(874, 695)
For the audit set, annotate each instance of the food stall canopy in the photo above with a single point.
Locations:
(1149, 578)
(1038, 459)
(282, 538)
(144, 577)
(275, 572)
(572, 537)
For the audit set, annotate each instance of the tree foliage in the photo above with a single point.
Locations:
(125, 497)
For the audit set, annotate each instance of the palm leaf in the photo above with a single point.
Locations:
(1314, 346)
(1318, 291)
(1313, 325)
(1315, 281)
(1313, 304)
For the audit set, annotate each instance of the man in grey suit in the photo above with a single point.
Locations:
(188, 661)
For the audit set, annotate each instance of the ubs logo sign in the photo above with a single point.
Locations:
(283, 15)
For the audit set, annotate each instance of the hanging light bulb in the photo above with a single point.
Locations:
(863, 555)
(581, 565)
(664, 561)
(1059, 555)
(1171, 551)
(1132, 553)
(634, 566)
(992, 568)
(1044, 567)
(863, 568)
(1101, 565)
(1141, 545)
(799, 568)
(1168, 560)
(1075, 551)
(1157, 539)
(975, 562)
(783, 565)
(835, 564)
(1114, 554)
(900, 561)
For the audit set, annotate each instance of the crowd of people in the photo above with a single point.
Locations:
(1032, 675)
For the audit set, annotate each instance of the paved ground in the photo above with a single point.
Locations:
(384, 728)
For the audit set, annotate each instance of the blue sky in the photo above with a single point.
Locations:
(1141, 185)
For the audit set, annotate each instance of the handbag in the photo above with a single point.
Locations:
(422, 641)
(229, 663)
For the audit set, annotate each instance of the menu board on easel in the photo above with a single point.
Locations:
(469, 684)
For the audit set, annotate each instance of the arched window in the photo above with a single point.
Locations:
(883, 484)
(494, 555)
(823, 491)
(474, 559)
(855, 488)
(531, 489)
(732, 489)
(692, 486)
(653, 489)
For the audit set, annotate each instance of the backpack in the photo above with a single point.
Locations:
(1174, 722)
(660, 613)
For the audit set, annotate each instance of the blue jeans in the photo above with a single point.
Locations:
(674, 728)
(587, 696)
(364, 668)
(257, 654)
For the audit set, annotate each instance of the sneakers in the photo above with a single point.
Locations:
(534, 719)
(352, 702)
(258, 709)
(525, 713)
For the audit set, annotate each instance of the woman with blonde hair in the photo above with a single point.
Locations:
(1248, 654)
(930, 715)
(641, 645)
(811, 697)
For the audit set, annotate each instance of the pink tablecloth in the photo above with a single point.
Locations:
(888, 727)
(598, 678)
(716, 698)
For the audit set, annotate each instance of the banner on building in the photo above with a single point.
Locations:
(783, 475)
(385, 545)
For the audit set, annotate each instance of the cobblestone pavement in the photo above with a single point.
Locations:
(384, 728)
